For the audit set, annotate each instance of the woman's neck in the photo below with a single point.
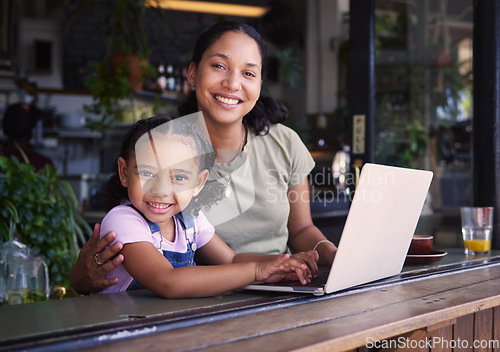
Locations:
(227, 140)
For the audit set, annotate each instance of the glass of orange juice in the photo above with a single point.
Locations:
(477, 223)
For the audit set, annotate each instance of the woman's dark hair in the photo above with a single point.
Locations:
(114, 192)
(267, 110)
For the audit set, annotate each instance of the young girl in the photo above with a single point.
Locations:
(162, 176)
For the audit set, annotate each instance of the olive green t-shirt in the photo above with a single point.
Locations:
(252, 217)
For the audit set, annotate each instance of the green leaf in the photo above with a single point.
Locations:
(11, 208)
(39, 220)
(4, 231)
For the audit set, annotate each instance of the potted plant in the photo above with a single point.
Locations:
(125, 65)
(41, 210)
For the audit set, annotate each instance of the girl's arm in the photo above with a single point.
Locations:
(216, 251)
(303, 235)
(153, 271)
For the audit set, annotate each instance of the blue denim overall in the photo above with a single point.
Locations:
(175, 258)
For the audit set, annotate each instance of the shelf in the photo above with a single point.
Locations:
(150, 95)
(74, 133)
(142, 94)
(64, 91)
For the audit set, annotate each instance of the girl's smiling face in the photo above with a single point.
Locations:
(228, 78)
(161, 184)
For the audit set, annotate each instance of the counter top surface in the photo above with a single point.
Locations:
(406, 301)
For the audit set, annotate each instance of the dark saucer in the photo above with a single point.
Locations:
(433, 256)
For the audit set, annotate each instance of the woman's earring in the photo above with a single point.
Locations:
(124, 181)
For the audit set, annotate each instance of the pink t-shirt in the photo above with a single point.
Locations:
(131, 227)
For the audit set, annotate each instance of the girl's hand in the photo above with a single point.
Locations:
(301, 266)
(297, 262)
(273, 271)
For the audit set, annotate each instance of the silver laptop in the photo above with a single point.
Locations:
(377, 233)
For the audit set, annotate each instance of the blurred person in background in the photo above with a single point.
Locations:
(18, 123)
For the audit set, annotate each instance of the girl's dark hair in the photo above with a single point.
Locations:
(114, 192)
(267, 110)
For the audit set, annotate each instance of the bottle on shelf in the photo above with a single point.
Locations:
(162, 79)
(178, 81)
(170, 78)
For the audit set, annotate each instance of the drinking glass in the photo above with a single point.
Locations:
(477, 223)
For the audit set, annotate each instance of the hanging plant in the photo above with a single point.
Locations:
(125, 65)
(289, 67)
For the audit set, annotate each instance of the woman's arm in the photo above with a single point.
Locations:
(86, 275)
(153, 271)
(303, 235)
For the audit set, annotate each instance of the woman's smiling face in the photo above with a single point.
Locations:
(228, 78)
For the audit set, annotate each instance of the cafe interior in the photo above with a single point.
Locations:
(392, 82)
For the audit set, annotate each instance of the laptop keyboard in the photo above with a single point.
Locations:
(318, 281)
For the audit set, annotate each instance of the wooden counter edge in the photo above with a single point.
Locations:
(428, 322)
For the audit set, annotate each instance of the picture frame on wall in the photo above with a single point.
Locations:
(42, 56)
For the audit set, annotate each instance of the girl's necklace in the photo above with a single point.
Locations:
(228, 187)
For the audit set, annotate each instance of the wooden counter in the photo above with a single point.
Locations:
(416, 308)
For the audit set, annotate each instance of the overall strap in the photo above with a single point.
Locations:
(187, 222)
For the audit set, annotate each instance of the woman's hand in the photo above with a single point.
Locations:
(94, 262)
(309, 258)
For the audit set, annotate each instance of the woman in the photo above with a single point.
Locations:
(262, 164)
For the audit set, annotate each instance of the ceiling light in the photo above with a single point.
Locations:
(212, 7)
